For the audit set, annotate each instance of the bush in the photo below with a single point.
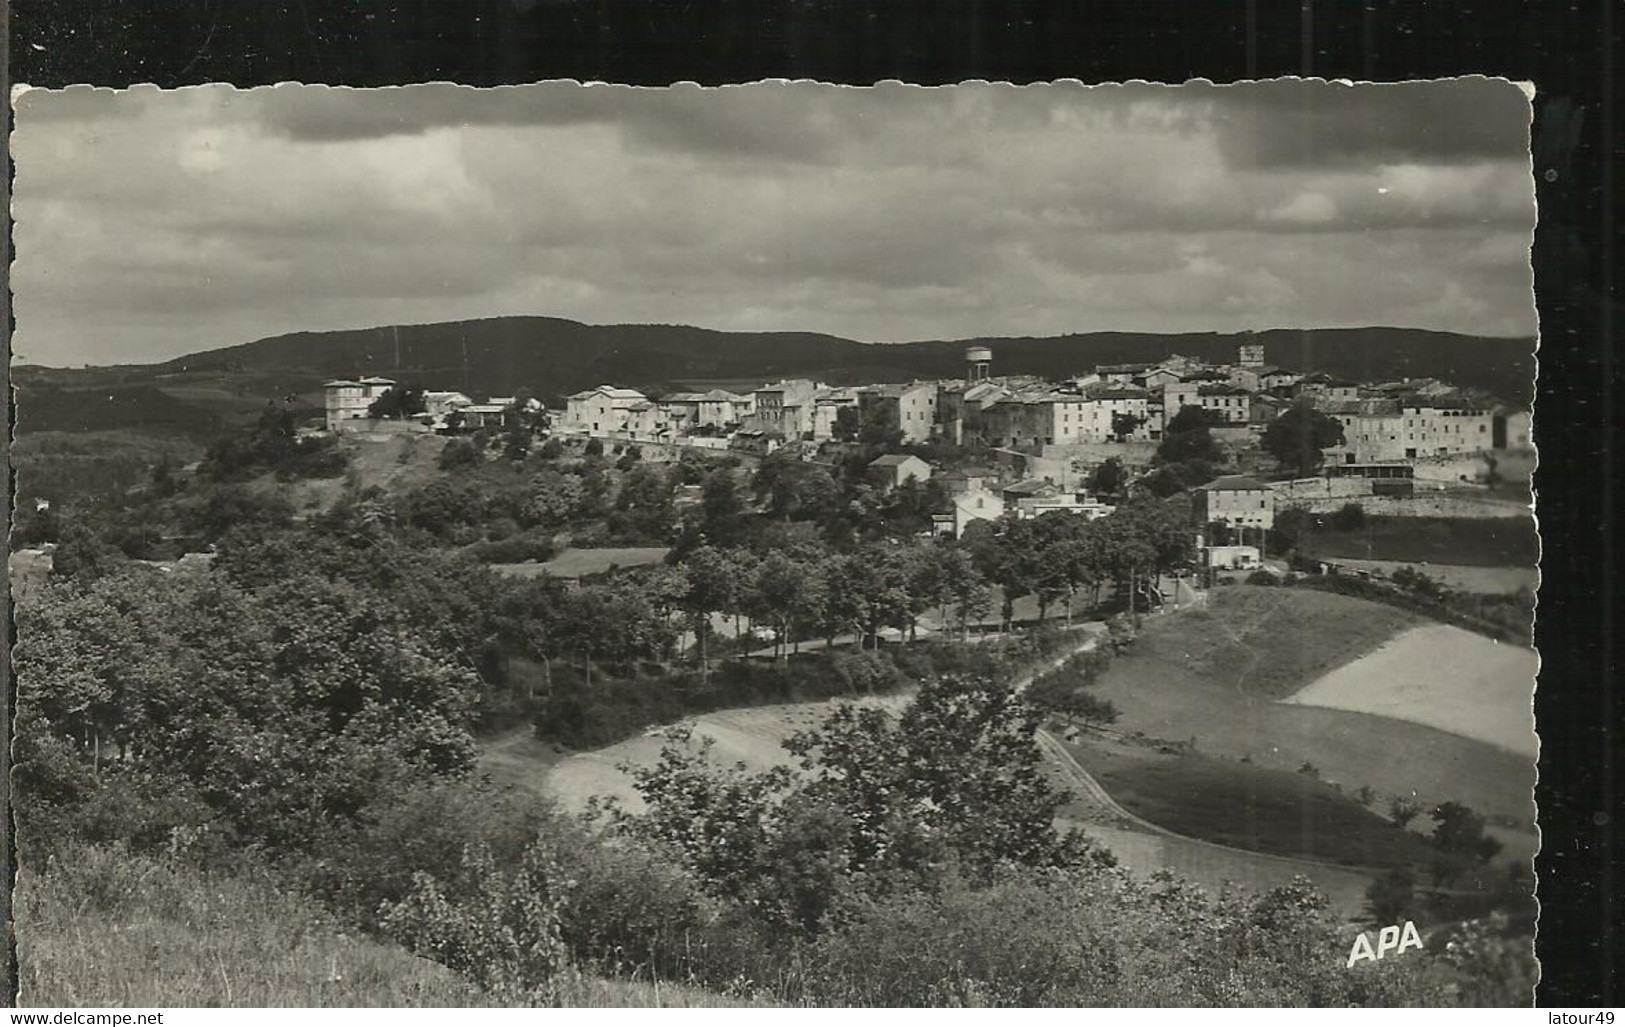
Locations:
(631, 911)
(461, 453)
(1263, 577)
(1348, 517)
(501, 931)
(360, 870)
(528, 547)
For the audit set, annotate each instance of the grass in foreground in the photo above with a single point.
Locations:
(107, 929)
(1248, 807)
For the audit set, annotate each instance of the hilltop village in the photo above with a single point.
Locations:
(1023, 445)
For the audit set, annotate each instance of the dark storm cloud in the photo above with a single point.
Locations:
(741, 122)
(1330, 125)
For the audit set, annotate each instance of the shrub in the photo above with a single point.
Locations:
(1348, 517)
(528, 547)
(360, 870)
(1262, 577)
(501, 931)
(461, 453)
(1402, 809)
(631, 910)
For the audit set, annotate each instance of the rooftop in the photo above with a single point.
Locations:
(893, 460)
(1234, 483)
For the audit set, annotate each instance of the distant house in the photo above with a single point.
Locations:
(439, 404)
(1230, 404)
(1029, 488)
(1158, 378)
(1236, 500)
(601, 410)
(686, 412)
(784, 408)
(1328, 387)
(753, 441)
(827, 406)
(975, 505)
(1277, 378)
(645, 419)
(893, 469)
(1121, 374)
(1232, 558)
(1061, 502)
(911, 407)
(969, 479)
(483, 415)
(345, 400)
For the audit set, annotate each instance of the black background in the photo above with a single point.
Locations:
(1567, 50)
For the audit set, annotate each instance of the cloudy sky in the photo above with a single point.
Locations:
(151, 224)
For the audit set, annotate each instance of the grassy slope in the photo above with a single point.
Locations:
(122, 931)
(1248, 806)
(1268, 643)
(54, 464)
(1463, 541)
(1189, 677)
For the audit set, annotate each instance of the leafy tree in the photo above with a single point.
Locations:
(848, 424)
(879, 431)
(554, 500)
(1124, 425)
(1460, 838)
(1193, 445)
(84, 555)
(722, 509)
(646, 499)
(1192, 418)
(397, 403)
(460, 453)
(1298, 436)
(501, 930)
(1074, 705)
(1109, 478)
(1391, 898)
(876, 805)
(1348, 517)
(713, 586)
(1402, 809)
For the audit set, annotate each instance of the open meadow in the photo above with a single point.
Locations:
(1444, 677)
(1213, 679)
(1247, 807)
(580, 563)
(1464, 541)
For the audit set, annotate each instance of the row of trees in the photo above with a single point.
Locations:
(805, 588)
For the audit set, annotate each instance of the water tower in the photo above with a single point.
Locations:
(978, 362)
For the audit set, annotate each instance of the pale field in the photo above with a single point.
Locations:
(753, 736)
(1171, 685)
(1443, 677)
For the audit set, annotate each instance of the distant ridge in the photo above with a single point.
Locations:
(557, 356)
